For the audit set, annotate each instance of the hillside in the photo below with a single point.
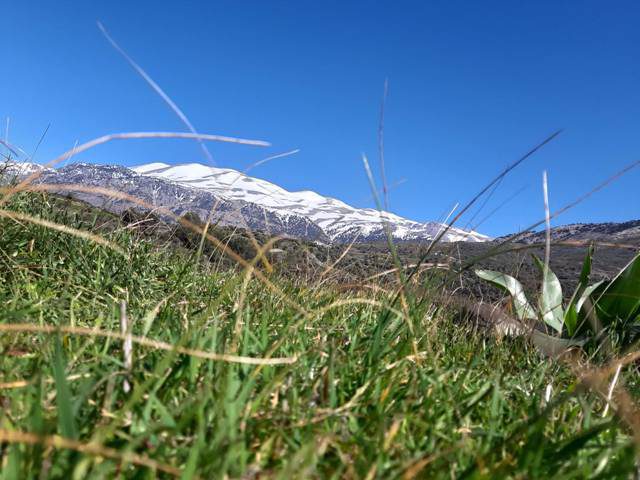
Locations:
(358, 264)
(251, 374)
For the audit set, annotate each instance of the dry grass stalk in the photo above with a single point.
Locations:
(181, 115)
(424, 266)
(342, 255)
(127, 136)
(91, 448)
(157, 89)
(547, 218)
(222, 357)
(21, 217)
(127, 346)
(611, 387)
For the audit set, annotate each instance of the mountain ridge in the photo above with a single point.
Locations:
(248, 202)
(628, 231)
(239, 200)
(340, 221)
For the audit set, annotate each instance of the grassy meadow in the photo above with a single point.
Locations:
(121, 357)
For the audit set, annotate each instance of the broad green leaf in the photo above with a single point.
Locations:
(585, 294)
(571, 319)
(620, 299)
(571, 313)
(586, 268)
(514, 287)
(550, 297)
(553, 346)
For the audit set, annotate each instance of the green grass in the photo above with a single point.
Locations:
(374, 392)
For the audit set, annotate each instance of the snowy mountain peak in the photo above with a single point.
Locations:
(21, 168)
(237, 200)
(339, 221)
(150, 167)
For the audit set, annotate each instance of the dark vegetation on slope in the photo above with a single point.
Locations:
(355, 265)
(451, 264)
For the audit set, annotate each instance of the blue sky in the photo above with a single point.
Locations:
(472, 86)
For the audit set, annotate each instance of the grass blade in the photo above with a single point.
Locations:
(66, 420)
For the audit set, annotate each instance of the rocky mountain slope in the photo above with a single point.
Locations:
(339, 221)
(624, 232)
(240, 200)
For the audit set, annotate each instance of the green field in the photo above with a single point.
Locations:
(247, 373)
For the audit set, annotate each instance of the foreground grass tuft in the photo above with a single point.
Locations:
(373, 393)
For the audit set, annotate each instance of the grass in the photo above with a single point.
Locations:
(369, 391)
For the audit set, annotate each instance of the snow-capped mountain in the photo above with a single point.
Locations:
(339, 221)
(239, 200)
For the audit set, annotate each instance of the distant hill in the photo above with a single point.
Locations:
(624, 232)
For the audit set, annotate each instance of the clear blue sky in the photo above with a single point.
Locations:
(473, 85)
